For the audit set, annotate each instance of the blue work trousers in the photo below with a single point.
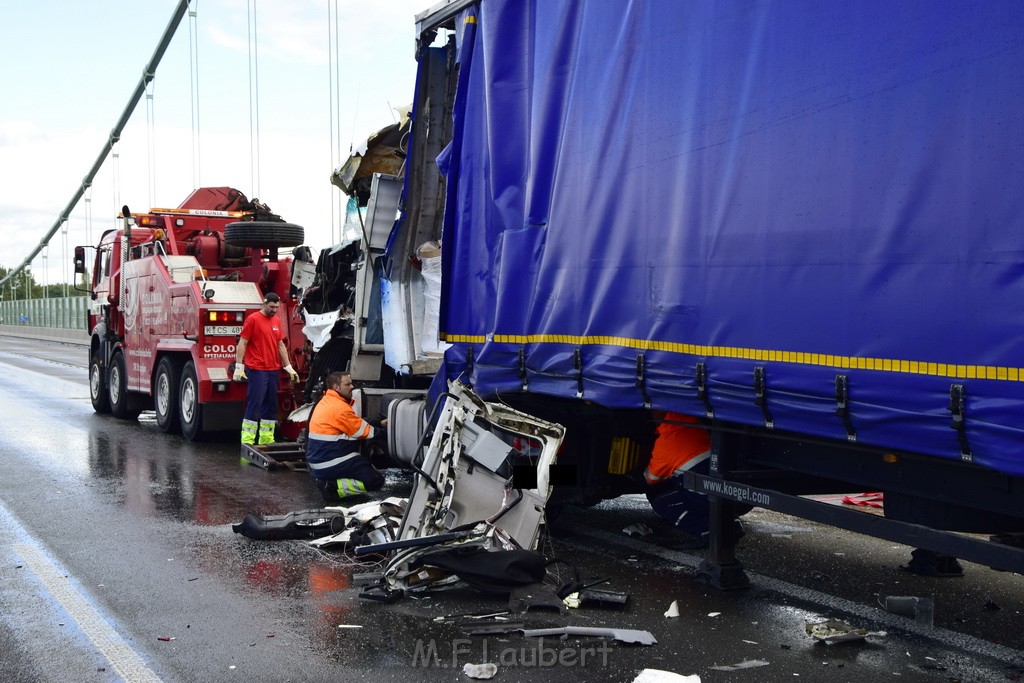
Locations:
(261, 395)
(688, 510)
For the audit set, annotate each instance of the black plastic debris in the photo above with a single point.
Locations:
(302, 524)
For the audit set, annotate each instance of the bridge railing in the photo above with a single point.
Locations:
(58, 318)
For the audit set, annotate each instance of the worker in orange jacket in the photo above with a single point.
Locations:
(680, 444)
(332, 448)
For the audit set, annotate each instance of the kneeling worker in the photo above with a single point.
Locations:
(678, 448)
(332, 449)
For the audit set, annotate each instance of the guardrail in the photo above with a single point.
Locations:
(57, 319)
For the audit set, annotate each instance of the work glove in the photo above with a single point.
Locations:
(291, 373)
(239, 375)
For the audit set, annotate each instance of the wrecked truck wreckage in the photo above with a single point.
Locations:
(475, 513)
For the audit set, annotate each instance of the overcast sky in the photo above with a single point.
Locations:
(68, 68)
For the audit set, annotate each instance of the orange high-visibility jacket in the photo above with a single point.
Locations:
(334, 434)
(677, 448)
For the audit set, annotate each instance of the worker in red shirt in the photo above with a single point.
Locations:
(259, 357)
(680, 444)
(332, 447)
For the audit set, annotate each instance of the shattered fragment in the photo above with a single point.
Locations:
(660, 676)
(745, 664)
(480, 671)
(673, 610)
(837, 631)
(638, 530)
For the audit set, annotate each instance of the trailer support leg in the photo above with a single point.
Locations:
(721, 569)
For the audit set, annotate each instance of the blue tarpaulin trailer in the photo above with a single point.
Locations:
(800, 221)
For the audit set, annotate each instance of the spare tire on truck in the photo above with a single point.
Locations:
(267, 234)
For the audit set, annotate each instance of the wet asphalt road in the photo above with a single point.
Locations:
(117, 562)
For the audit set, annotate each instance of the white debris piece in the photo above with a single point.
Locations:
(745, 664)
(480, 671)
(837, 631)
(637, 530)
(660, 676)
(673, 610)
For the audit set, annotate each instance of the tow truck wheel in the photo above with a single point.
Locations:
(264, 234)
(165, 394)
(190, 410)
(117, 389)
(98, 386)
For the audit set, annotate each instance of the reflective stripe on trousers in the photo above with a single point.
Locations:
(267, 431)
(331, 463)
(249, 428)
(350, 487)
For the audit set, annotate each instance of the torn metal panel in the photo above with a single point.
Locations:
(466, 483)
(624, 635)
(372, 522)
(383, 152)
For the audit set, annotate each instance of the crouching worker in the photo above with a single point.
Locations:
(678, 448)
(332, 449)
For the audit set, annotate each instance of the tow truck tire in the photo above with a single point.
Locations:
(117, 389)
(98, 386)
(165, 394)
(264, 234)
(190, 410)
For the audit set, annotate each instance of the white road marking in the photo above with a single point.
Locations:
(124, 660)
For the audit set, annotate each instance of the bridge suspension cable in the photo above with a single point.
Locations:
(254, 100)
(193, 81)
(115, 134)
(334, 111)
(151, 142)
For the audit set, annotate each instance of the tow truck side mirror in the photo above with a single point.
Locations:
(79, 260)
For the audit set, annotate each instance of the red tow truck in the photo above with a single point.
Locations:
(170, 289)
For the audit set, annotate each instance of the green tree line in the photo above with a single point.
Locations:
(24, 286)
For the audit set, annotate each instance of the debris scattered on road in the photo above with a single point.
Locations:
(745, 664)
(166, 639)
(638, 529)
(624, 635)
(922, 609)
(469, 616)
(837, 631)
(593, 597)
(713, 614)
(480, 671)
(752, 642)
(991, 606)
(349, 626)
(673, 610)
(660, 676)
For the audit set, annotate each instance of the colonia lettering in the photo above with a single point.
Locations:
(219, 348)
